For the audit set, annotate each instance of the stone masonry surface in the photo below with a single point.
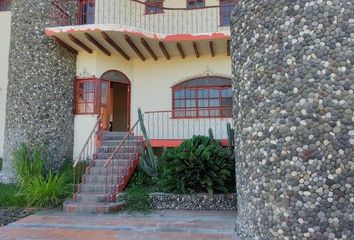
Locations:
(191, 201)
(294, 92)
(39, 108)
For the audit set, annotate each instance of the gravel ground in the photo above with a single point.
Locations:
(8, 216)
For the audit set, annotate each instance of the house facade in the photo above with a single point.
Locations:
(80, 70)
(169, 58)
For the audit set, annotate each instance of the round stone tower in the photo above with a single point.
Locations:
(294, 92)
(40, 87)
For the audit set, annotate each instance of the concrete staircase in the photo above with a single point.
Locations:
(92, 196)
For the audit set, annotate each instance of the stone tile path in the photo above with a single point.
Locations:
(171, 225)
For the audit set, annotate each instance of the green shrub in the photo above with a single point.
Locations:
(28, 162)
(141, 178)
(1, 161)
(37, 188)
(137, 199)
(41, 192)
(9, 197)
(199, 164)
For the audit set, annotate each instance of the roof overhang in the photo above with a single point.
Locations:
(131, 42)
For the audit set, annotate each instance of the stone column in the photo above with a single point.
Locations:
(39, 108)
(294, 82)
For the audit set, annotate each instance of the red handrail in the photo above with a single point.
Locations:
(109, 160)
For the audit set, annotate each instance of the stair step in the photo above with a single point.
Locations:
(99, 189)
(83, 207)
(123, 149)
(119, 137)
(121, 171)
(118, 155)
(101, 179)
(90, 197)
(115, 143)
(116, 163)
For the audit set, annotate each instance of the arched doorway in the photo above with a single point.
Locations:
(115, 101)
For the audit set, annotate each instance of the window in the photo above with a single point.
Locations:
(5, 5)
(85, 96)
(195, 3)
(86, 11)
(154, 6)
(203, 97)
(226, 7)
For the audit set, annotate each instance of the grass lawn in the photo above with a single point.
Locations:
(9, 198)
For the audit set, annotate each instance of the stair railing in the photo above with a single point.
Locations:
(86, 155)
(112, 164)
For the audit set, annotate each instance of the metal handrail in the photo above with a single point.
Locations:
(77, 160)
(109, 160)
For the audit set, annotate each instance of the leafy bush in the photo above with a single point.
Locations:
(35, 186)
(28, 162)
(9, 197)
(1, 161)
(41, 192)
(199, 164)
(137, 199)
(141, 178)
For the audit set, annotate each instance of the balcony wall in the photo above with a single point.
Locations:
(174, 21)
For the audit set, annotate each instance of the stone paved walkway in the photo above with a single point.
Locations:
(171, 225)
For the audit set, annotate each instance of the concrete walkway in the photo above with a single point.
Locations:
(171, 225)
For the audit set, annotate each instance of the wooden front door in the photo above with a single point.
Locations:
(104, 104)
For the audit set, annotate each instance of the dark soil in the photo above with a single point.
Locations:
(8, 216)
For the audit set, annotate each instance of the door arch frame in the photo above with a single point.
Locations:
(126, 82)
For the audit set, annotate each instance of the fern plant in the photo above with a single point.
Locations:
(199, 164)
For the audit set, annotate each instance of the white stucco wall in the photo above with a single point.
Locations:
(5, 30)
(151, 83)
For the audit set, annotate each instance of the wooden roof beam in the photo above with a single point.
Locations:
(148, 48)
(115, 46)
(97, 44)
(196, 50)
(65, 45)
(212, 48)
(181, 52)
(164, 51)
(79, 43)
(134, 47)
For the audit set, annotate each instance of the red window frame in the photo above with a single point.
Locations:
(85, 16)
(225, 8)
(154, 6)
(5, 5)
(195, 4)
(85, 100)
(198, 111)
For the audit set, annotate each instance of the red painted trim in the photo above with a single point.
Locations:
(193, 8)
(225, 3)
(134, 32)
(157, 4)
(80, 13)
(195, 109)
(176, 142)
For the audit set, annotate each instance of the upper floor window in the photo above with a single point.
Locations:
(209, 96)
(153, 6)
(195, 3)
(226, 7)
(86, 11)
(5, 5)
